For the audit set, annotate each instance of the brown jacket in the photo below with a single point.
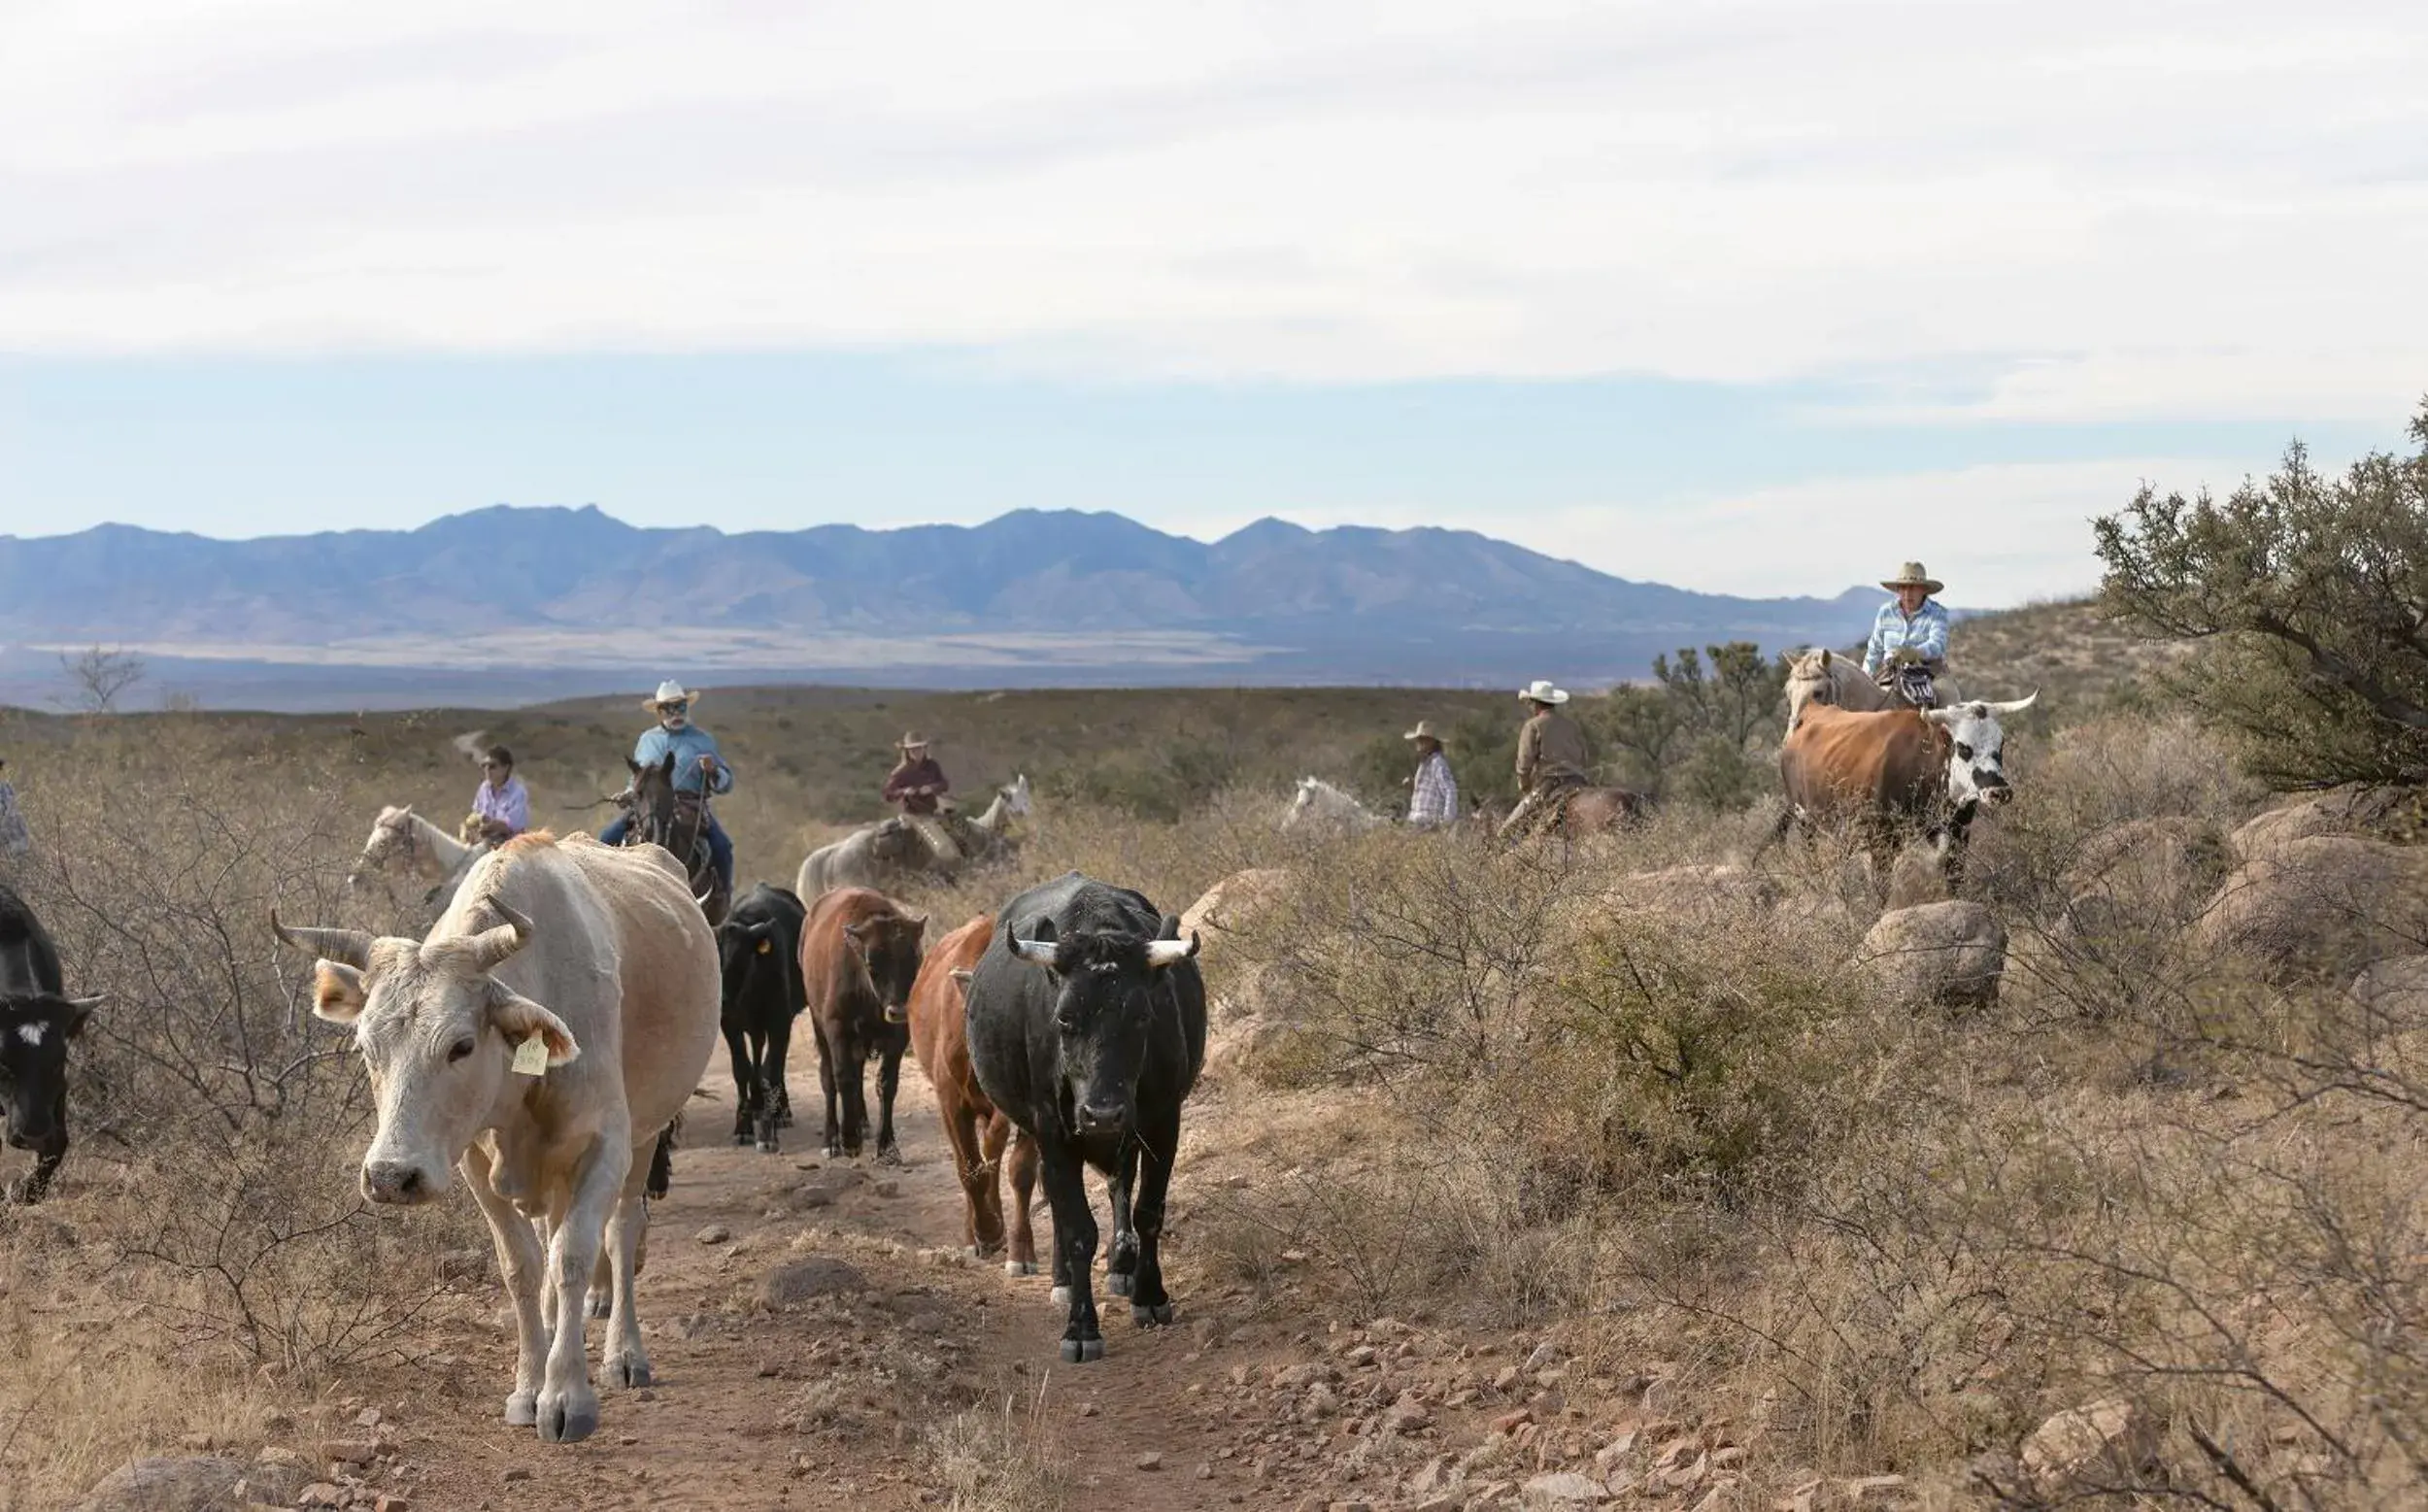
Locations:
(1550, 745)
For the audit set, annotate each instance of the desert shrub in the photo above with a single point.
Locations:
(1000, 1458)
(1700, 731)
(2305, 590)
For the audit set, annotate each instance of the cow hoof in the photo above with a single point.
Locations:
(1079, 1352)
(1060, 1297)
(523, 1409)
(768, 1147)
(632, 1371)
(1149, 1317)
(568, 1420)
(1020, 1268)
(1121, 1283)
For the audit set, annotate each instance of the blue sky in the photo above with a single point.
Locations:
(1757, 297)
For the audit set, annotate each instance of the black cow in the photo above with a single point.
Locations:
(1087, 1029)
(37, 1020)
(760, 943)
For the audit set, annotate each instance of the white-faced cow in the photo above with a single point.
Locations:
(1895, 772)
(37, 1020)
(554, 1019)
(1087, 1029)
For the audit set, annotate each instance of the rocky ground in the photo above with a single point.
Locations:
(814, 1323)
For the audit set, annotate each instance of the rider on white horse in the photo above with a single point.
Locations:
(1909, 631)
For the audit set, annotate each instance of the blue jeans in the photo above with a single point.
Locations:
(720, 849)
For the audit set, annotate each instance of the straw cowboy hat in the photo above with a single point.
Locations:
(669, 691)
(1424, 731)
(1543, 693)
(1913, 576)
(911, 740)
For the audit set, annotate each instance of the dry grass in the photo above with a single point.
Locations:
(1001, 1458)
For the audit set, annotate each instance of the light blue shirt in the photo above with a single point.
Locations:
(1926, 633)
(689, 744)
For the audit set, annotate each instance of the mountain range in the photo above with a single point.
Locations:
(509, 603)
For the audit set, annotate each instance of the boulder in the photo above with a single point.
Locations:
(2096, 1446)
(190, 1484)
(2324, 904)
(2396, 988)
(2141, 874)
(1229, 904)
(1564, 1489)
(2381, 812)
(1951, 953)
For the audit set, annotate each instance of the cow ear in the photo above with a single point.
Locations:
(518, 1017)
(1825, 659)
(337, 991)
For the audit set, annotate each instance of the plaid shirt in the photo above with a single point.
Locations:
(1891, 632)
(1437, 798)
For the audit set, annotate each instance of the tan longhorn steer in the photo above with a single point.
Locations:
(554, 1022)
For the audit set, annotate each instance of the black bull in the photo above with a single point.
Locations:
(1087, 1029)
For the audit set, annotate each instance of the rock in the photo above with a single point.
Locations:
(1225, 907)
(1152, 1460)
(2385, 813)
(2144, 874)
(1545, 1355)
(714, 1234)
(186, 1484)
(1951, 953)
(351, 1451)
(1871, 1490)
(2324, 904)
(795, 1282)
(2101, 1441)
(323, 1493)
(2395, 989)
(1564, 1489)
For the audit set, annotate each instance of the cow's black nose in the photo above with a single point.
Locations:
(1099, 1115)
(392, 1181)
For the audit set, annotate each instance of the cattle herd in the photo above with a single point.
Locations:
(560, 1011)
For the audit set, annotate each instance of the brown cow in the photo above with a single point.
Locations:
(972, 1126)
(860, 955)
(1894, 772)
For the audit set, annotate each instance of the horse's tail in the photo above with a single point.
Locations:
(661, 1161)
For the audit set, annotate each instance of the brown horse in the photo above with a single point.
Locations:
(1590, 811)
(972, 1126)
(678, 821)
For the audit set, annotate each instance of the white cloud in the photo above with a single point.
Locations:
(2205, 209)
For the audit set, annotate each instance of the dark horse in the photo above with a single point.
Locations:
(678, 821)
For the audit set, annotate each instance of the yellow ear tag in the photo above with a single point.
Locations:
(531, 1056)
(766, 946)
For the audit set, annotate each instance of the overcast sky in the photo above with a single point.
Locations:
(1751, 296)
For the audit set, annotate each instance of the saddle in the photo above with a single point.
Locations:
(1912, 683)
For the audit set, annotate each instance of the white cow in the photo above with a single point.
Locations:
(597, 965)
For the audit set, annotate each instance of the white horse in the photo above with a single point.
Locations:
(1822, 676)
(1318, 805)
(405, 846)
(895, 852)
(992, 828)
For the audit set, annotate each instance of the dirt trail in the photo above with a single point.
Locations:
(821, 1403)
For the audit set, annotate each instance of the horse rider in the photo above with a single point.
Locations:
(1434, 792)
(916, 783)
(1551, 761)
(1910, 630)
(501, 806)
(698, 768)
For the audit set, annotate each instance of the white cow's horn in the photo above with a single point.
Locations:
(492, 947)
(2015, 707)
(1171, 953)
(347, 946)
(1036, 951)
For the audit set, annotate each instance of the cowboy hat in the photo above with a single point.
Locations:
(911, 740)
(669, 691)
(1424, 731)
(1543, 693)
(1913, 576)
